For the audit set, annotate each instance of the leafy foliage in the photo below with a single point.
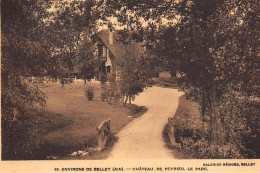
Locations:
(111, 90)
(70, 27)
(23, 55)
(215, 46)
(89, 93)
(135, 71)
(36, 43)
(217, 57)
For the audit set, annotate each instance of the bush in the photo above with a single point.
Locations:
(238, 129)
(239, 114)
(65, 81)
(110, 90)
(110, 93)
(104, 92)
(203, 149)
(103, 78)
(89, 93)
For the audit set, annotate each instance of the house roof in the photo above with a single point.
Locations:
(117, 44)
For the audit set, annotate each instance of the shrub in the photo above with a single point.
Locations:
(64, 81)
(238, 128)
(89, 93)
(104, 92)
(110, 90)
(204, 149)
(103, 78)
(110, 93)
(239, 114)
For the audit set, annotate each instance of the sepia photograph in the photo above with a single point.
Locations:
(130, 79)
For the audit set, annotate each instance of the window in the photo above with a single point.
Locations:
(104, 51)
(100, 51)
(108, 69)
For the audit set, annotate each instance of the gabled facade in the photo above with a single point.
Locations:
(107, 50)
(103, 42)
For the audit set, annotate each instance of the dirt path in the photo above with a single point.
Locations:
(142, 138)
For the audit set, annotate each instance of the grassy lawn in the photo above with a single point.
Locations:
(166, 82)
(24, 136)
(187, 115)
(85, 116)
(187, 123)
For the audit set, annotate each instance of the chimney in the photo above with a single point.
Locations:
(110, 36)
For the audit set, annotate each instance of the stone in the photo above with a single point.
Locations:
(84, 153)
(52, 157)
(80, 152)
(74, 154)
(104, 133)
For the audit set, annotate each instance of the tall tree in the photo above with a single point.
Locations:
(24, 54)
(236, 53)
(24, 51)
(135, 70)
(68, 21)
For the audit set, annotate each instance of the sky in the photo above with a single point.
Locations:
(115, 23)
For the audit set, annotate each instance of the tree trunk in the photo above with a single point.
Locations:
(126, 100)
(123, 100)
(130, 99)
(203, 107)
(211, 113)
(217, 131)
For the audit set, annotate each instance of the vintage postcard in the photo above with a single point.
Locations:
(130, 86)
